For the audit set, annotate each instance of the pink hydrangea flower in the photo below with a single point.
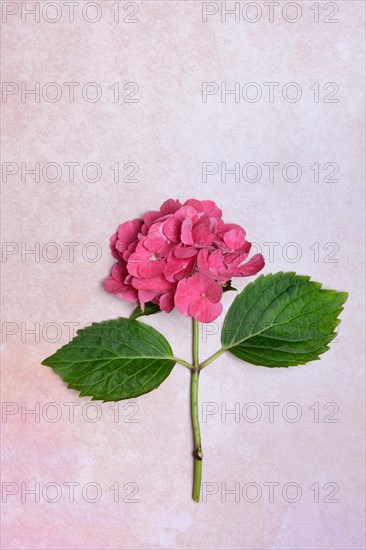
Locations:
(180, 256)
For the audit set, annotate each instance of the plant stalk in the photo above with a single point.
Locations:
(195, 418)
(212, 358)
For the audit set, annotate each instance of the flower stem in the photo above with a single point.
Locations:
(196, 360)
(195, 418)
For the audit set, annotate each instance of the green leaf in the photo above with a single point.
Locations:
(149, 309)
(114, 360)
(282, 320)
(228, 286)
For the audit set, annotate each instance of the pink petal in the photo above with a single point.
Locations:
(183, 297)
(156, 241)
(112, 285)
(127, 233)
(177, 268)
(170, 206)
(196, 285)
(186, 212)
(211, 265)
(145, 296)
(117, 283)
(127, 253)
(207, 206)
(128, 295)
(144, 263)
(171, 229)
(166, 302)
(186, 232)
(212, 290)
(201, 233)
(157, 284)
(234, 238)
(255, 264)
(112, 244)
(204, 311)
(151, 217)
(182, 251)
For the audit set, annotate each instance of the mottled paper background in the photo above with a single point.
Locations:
(167, 134)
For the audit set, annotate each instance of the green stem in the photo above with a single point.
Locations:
(195, 418)
(212, 358)
(196, 359)
(182, 362)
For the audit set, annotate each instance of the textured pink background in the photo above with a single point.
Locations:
(169, 133)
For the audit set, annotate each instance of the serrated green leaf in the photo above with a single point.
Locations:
(282, 320)
(114, 360)
(149, 309)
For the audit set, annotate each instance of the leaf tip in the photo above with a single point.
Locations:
(343, 296)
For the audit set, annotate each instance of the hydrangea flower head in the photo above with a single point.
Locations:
(182, 256)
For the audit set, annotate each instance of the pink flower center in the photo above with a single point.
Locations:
(203, 294)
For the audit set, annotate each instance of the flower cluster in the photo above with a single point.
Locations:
(180, 256)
